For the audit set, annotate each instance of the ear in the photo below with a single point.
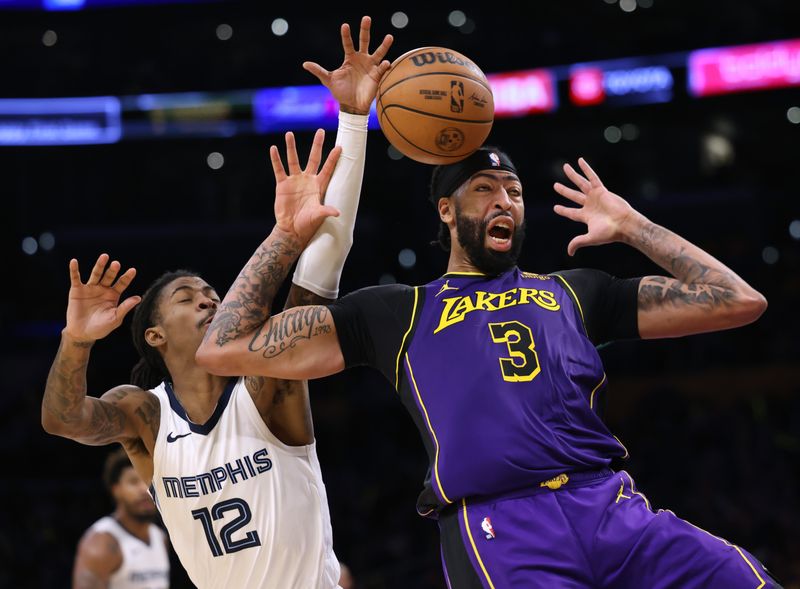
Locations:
(446, 212)
(155, 336)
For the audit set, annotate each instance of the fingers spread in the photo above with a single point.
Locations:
(383, 48)
(577, 243)
(126, 306)
(347, 41)
(329, 167)
(570, 193)
(74, 273)
(576, 178)
(363, 35)
(569, 212)
(97, 271)
(277, 164)
(292, 161)
(110, 274)
(318, 71)
(125, 280)
(590, 173)
(315, 156)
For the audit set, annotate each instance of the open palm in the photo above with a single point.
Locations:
(354, 84)
(93, 309)
(601, 210)
(298, 195)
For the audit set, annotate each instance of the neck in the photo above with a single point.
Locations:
(137, 527)
(197, 390)
(459, 261)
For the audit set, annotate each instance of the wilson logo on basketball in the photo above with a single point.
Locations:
(431, 57)
(456, 96)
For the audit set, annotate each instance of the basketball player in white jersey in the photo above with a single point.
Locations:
(231, 461)
(124, 550)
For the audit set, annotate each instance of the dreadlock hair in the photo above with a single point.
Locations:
(150, 370)
(116, 462)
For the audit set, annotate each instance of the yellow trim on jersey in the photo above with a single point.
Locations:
(430, 427)
(403, 343)
(627, 454)
(633, 489)
(591, 397)
(475, 548)
(724, 541)
(463, 274)
(577, 301)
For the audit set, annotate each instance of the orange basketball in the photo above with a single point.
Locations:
(435, 105)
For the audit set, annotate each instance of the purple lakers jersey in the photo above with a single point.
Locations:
(498, 373)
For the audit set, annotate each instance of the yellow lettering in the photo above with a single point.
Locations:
(484, 301)
(445, 320)
(547, 300)
(507, 300)
(526, 295)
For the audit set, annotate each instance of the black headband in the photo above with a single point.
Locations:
(446, 179)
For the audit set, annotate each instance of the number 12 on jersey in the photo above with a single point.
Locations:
(523, 363)
(226, 544)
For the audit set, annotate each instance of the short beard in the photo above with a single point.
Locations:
(471, 235)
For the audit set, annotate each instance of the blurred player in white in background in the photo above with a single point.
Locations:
(124, 550)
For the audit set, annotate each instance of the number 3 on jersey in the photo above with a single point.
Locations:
(523, 365)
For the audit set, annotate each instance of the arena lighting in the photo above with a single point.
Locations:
(60, 121)
(522, 93)
(760, 66)
(617, 82)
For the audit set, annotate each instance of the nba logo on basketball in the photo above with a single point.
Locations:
(486, 526)
(456, 96)
(495, 159)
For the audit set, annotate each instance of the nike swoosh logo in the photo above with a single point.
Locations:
(171, 438)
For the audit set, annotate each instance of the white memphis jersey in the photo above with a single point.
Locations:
(144, 565)
(242, 508)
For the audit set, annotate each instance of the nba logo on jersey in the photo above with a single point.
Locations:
(495, 159)
(486, 526)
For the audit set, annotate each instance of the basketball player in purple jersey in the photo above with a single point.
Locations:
(499, 370)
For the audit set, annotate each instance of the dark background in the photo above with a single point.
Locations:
(712, 422)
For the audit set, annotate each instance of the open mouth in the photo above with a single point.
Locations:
(500, 231)
(206, 321)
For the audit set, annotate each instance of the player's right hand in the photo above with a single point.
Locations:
(94, 310)
(354, 84)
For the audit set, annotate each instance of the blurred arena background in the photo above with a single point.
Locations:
(165, 166)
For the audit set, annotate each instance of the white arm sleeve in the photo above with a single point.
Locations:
(320, 265)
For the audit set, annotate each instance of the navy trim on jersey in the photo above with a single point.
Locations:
(205, 428)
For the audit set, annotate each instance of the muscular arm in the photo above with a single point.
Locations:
(119, 415)
(704, 295)
(244, 338)
(98, 558)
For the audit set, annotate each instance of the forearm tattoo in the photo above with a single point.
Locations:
(697, 283)
(254, 290)
(282, 333)
(66, 383)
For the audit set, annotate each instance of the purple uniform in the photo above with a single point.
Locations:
(502, 378)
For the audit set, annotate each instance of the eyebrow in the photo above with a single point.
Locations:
(188, 287)
(493, 177)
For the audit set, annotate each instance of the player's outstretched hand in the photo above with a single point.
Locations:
(94, 310)
(298, 195)
(603, 212)
(355, 83)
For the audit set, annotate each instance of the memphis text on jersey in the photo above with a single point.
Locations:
(456, 308)
(212, 481)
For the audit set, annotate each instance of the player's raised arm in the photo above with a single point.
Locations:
(93, 312)
(704, 295)
(244, 338)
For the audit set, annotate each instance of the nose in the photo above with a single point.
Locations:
(502, 201)
(207, 303)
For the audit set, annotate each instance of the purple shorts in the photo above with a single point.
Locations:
(592, 531)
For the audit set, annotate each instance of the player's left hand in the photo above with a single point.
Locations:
(604, 212)
(298, 196)
(355, 83)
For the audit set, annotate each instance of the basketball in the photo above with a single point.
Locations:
(435, 105)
